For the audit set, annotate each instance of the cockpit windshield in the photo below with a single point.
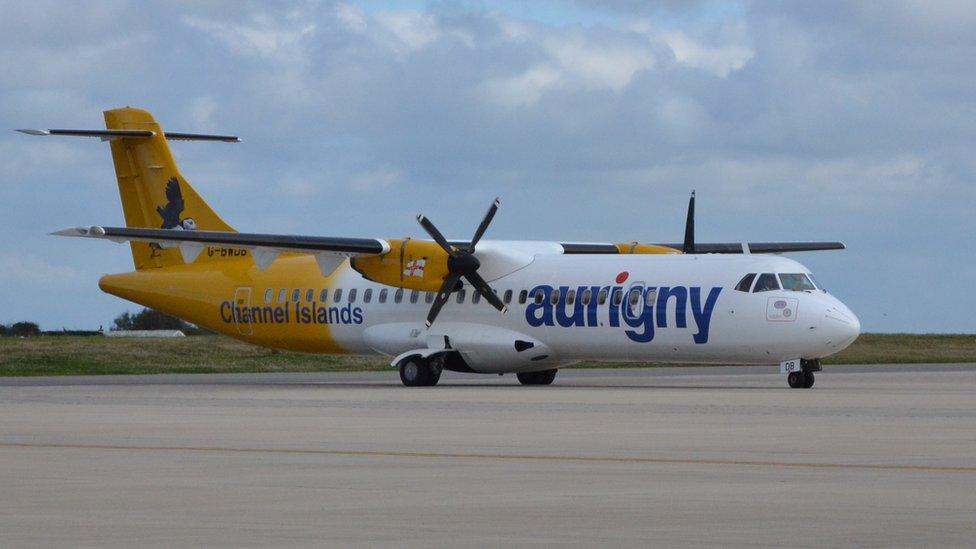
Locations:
(797, 282)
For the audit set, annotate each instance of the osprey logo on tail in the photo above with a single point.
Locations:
(174, 207)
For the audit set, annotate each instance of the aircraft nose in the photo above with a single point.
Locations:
(840, 326)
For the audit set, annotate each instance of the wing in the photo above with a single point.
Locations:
(710, 247)
(329, 252)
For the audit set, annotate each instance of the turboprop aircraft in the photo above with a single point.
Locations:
(479, 306)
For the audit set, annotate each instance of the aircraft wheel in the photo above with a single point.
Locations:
(416, 372)
(547, 377)
(808, 380)
(796, 380)
(544, 377)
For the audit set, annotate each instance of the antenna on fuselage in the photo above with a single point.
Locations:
(689, 245)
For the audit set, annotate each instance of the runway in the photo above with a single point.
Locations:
(873, 455)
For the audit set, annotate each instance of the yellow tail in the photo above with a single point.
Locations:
(154, 193)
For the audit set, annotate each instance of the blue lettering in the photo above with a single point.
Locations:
(545, 307)
(577, 317)
(226, 312)
(615, 306)
(680, 294)
(638, 315)
(703, 317)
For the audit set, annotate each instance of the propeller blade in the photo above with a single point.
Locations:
(485, 290)
(435, 234)
(689, 245)
(489, 215)
(443, 294)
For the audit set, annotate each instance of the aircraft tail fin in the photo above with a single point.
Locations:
(154, 194)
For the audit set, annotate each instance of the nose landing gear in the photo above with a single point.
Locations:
(804, 379)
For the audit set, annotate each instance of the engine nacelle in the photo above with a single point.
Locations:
(638, 248)
(411, 264)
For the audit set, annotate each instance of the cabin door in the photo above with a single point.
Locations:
(242, 302)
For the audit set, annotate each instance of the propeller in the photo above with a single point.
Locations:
(689, 245)
(461, 263)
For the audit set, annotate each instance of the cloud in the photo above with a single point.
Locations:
(860, 116)
(32, 270)
(572, 61)
(376, 180)
(264, 36)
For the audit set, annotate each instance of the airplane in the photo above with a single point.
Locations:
(478, 306)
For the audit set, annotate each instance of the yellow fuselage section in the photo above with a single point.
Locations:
(231, 297)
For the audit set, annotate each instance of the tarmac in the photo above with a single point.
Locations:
(871, 456)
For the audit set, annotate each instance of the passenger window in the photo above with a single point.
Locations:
(460, 296)
(554, 298)
(635, 295)
(539, 296)
(398, 295)
(618, 296)
(414, 296)
(337, 295)
(368, 295)
(428, 297)
(324, 295)
(745, 283)
(570, 297)
(523, 296)
(585, 297)
(352, 295)
(797, 282)
(508, 297)
(766, 282)
(310, 295)
(296, 294)
(602, 296)
(475, 296)
(281, 295)
(383, 294)
(268, 295)
(650, 296)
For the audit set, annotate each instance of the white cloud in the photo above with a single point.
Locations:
(525, 88)
(719, 61)
(375, 180)
(30, 269)
(574, 61)
(413, 30)
(352, 17)
(263, 37)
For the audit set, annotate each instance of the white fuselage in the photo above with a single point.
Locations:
(671, 308)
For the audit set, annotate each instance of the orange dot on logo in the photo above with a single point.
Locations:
(622, 277)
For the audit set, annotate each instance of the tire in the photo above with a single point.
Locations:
(547, 377)
(796, 380)
(433, 376)
(808, 380)
(414, 372)
(544, 377)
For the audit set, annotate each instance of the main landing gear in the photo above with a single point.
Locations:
(804, 379)
(544, 377)
(416, 371)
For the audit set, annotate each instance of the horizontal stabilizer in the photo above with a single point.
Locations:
(107, 135)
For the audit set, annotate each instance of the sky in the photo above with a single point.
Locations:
(593, 121)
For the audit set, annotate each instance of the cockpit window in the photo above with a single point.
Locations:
(745, 283)
(816, 282)
(766, 282)
(797, 282)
